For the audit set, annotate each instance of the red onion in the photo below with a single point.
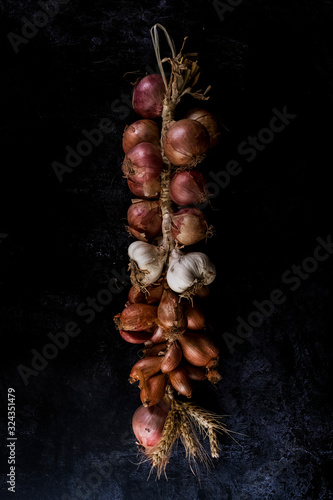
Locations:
(186, 142)
(147, 189)
(188, 188)
(158, 336)
(143, 166)
(148, 96)
(144, 219)
(189, 226)
(209, 121)
(140, 131)
(135, 337)
(136, 318)
(142, 158)
(148, 423)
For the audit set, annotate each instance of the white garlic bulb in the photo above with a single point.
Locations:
(187, 270)
(149, 260)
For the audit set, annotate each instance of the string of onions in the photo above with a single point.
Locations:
(163, 310)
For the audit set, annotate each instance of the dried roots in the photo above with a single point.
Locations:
(137, 276)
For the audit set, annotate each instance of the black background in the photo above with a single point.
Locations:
(64, 239)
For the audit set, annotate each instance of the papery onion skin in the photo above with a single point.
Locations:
(154, 293)
(156, 350)
(198, 349)
(195, 317)
(137, 317)
(189, 226)
(149, 189)
(185, 143)
(142, 166)
(188, 188)
(144, 219)
(172, 358)
(154, 390)
(209, 121)
(170, 312)
(181, 381)
(148, 423)
(140, 131)
(148, 96)
(135, 296)
(158, 336)
(146, 367)
(143, 162)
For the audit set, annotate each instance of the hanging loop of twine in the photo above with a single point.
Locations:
(156, 44)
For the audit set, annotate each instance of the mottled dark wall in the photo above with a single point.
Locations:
(60, 243)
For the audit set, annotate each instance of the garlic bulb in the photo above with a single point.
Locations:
(146, 263)
(190, 271)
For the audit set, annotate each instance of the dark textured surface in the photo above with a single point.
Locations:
(64, 240)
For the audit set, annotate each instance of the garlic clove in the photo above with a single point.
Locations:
(146, 263)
